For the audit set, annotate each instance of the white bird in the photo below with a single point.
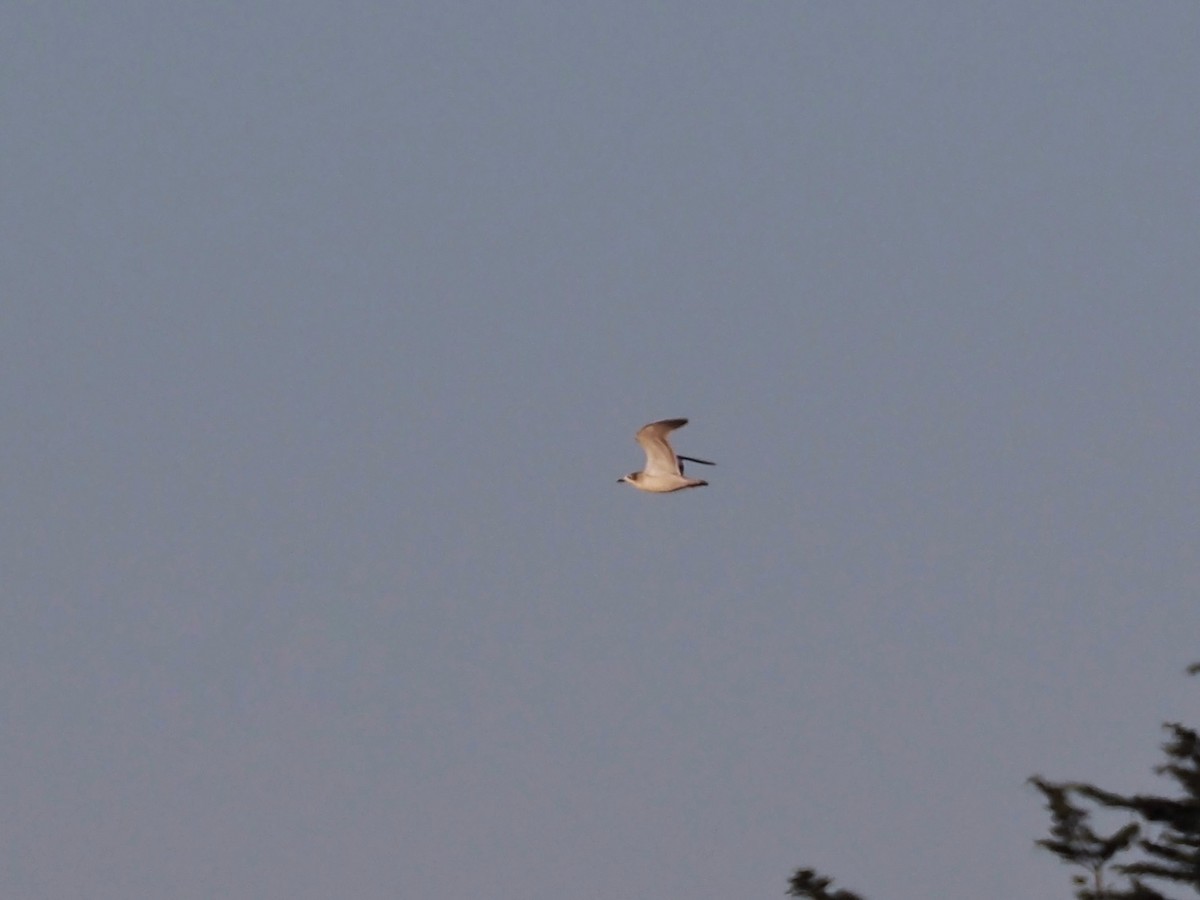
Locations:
(664, 469)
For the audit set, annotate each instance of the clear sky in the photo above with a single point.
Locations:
(326, 328)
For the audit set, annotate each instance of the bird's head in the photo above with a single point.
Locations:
(631, 478)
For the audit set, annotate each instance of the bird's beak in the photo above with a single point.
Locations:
(619, 480)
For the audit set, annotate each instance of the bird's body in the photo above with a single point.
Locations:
(664, 469)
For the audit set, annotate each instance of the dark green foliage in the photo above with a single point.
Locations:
(1161, 844)
(807, 883)
(1172, 852)
(1073, 841)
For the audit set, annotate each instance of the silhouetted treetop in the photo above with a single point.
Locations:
(807, 883)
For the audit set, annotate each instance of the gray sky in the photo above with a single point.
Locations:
(326, 329)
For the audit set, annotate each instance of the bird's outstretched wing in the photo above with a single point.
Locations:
(660, 458)
(703, 462)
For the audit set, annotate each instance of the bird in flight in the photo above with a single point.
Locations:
(664, 468)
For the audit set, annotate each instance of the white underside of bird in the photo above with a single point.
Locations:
(664, 468)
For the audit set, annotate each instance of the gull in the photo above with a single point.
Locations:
(664, 469)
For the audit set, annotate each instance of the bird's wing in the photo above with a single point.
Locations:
(680, 459)
(660, 458)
